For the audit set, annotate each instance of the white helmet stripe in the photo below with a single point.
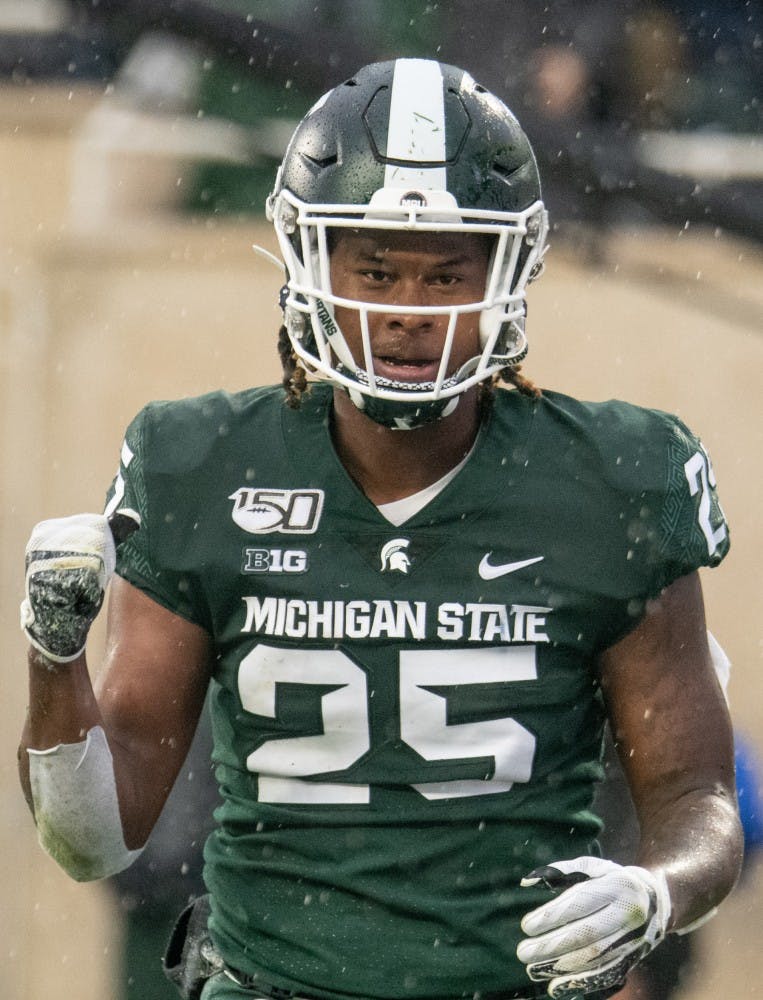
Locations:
(416, 124)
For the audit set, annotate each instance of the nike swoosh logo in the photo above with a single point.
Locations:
(489, 572)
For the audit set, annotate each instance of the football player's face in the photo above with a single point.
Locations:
(415, 269)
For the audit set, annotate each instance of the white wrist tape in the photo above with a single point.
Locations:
(76, 809)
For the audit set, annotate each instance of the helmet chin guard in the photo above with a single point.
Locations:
(349, 166)
(401, 415)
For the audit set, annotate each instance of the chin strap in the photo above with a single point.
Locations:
(402, 416)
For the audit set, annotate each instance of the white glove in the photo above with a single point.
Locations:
(605, 919)
(69, 562)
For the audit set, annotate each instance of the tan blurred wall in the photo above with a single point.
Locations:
(101, 312)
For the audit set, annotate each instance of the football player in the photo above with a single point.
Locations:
(416, 586)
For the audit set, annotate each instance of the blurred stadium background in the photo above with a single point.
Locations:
(138, 139)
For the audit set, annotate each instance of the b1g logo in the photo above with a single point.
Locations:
(261, 512)
(274, 561)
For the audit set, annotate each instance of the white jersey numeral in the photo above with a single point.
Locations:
(119, 484)
(507, 746)
(699, 475)
(282, 764)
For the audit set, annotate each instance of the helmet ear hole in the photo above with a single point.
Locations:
(504, 339)
(515, 342)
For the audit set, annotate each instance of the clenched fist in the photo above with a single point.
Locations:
(69, 562)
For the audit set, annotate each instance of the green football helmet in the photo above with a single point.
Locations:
(410, 145)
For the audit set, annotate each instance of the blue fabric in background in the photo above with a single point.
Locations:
(749, 780)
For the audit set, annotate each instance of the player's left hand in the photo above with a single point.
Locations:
(605, 919)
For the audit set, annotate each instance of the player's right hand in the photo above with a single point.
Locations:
(69, 562)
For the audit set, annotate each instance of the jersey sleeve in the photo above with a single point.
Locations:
(693, 531)
(139, 559)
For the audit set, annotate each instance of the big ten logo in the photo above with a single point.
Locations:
(261, 511)
(274, 561)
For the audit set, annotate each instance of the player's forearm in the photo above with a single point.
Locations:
(62, 708)
(62, 704)
(698, 843)
(69, 775)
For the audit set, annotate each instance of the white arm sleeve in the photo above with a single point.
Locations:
(76, 809)
(721, 662)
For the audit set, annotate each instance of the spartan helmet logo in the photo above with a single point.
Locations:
(394, 556)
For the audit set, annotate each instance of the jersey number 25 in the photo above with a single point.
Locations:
(283, 764)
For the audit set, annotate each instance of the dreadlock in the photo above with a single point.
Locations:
(510, 375)
(513, 375)
(294, 378)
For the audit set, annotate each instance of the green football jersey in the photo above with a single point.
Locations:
(407, 719)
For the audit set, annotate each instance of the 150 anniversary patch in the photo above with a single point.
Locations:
(262, 511)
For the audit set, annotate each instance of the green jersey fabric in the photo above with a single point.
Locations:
(407, 719)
